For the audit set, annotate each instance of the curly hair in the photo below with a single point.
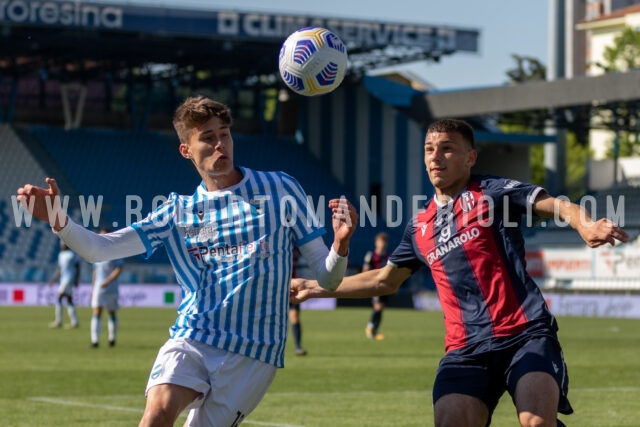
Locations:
(195, 111)
(454, 125)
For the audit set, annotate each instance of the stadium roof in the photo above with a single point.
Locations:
(75, 39)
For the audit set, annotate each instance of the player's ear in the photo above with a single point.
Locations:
(184, 150)
(472, 156)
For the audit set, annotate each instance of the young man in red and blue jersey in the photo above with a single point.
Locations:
(500, 335)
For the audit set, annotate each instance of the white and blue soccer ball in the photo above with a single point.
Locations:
(313, 61)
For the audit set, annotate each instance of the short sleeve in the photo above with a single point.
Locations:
(404, 255)
(521, 196)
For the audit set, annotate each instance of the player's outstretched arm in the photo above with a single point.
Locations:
(381, 281)
(43, 203)
(594, 233)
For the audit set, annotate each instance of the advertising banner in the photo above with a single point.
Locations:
(603, 263)
(160, 295)
(130, 295)
(587, 305)
(594, 305)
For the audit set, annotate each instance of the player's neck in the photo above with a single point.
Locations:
(445, 195)
(220, 182)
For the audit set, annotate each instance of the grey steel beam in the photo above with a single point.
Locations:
(586, 91)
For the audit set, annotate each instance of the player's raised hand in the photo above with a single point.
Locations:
(344, 221)
(43, 203)
(602, 232)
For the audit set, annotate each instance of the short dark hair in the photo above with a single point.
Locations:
(196, 111)
(454, 125)
(382, 236)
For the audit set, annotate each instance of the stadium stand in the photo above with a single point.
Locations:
(287, 155)
(31, 248)
(119, 163)
(620, 204)
(605, 270)
(116, 164)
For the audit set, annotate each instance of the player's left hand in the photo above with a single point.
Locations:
(298, 292)
(602, 232)
(43, 203)
(344, 222)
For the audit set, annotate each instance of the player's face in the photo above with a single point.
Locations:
(380, 245)
(448, 159)
(210, 148)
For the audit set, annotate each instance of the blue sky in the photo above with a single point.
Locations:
(506, 27)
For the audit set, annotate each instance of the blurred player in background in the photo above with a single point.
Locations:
(231, 245)
(294, 313)
(68, 272)
(104, 293)
(500, 335)
(373, 260)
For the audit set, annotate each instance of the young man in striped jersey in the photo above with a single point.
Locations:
(500, 335)
(231, 245)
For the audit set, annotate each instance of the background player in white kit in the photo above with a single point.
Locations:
(104, 294)
(68, 272)
(231, 245)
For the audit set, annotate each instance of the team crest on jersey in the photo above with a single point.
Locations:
(258, 201)
(467, 201)
(200, 212)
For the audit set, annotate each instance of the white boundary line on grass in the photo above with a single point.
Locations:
(367, 393)
(598, 389)
(345, 393)
(86, 405)
(311, 393)
(125, 409)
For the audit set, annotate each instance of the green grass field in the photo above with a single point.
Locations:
(52, 377)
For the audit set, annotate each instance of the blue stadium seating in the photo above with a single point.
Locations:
(4, 218)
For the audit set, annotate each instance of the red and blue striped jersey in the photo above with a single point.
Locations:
(475, 250)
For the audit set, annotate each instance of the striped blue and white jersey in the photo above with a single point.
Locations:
(232, 252)
(103, 269)
(68, 262)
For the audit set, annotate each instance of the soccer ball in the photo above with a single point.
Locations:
(313, 61)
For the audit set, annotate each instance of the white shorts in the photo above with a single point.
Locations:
(232, 385)
(108, 301)
(65, 289)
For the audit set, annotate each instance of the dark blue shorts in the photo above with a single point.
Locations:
(478, 372)
(384, 299)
